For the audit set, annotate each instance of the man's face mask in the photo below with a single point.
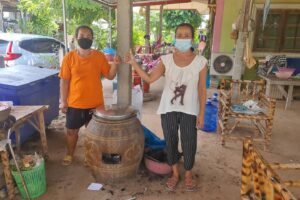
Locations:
(85, 43)
(183, 45)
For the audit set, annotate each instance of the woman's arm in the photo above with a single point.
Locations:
(202, 96)
(152, 76)
(158, 71)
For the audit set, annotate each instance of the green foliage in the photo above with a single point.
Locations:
(172, 18)
(138, 29)
(84, 12)
(41, 20)
(47, 15)
(46, 18)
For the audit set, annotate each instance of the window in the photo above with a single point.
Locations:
(42, 45)
(3, 46)
(281, 32)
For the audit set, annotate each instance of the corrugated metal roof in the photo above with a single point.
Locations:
(9, 5)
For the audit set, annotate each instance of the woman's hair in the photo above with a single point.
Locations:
(186, 25)
(83, 27)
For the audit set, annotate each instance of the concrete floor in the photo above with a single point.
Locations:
(217, 169)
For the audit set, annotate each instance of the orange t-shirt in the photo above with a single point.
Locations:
(84, 74)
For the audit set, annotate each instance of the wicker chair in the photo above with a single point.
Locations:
(259, 178)
(238, 92)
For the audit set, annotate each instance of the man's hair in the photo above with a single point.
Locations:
(186, 25)
(83, 27)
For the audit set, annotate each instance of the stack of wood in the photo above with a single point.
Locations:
(259, 179)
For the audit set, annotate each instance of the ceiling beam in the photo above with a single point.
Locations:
(144, 3)
(155, 3)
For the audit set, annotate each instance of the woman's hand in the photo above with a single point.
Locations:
(129, 58)
(200, 122)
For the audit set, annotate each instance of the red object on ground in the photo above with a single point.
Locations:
(137, 80)
(146, 87)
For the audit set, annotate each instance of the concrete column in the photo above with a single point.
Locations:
(161, 11)
(238, 64)
(147, 42)
(1, 18)
(124, 44)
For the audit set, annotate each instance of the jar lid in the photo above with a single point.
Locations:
(114, 112)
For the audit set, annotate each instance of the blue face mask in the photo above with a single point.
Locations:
(183, 45)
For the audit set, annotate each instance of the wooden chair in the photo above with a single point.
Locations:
(259, 179)
(236, 92)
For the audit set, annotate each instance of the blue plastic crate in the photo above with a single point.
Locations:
(27, 85)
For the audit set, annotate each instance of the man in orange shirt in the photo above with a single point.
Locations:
(81, 87)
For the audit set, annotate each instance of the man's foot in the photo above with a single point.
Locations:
(172, 183)
(67, 160)
(190, 184)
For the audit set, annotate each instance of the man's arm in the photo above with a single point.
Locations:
(113, 71)
(64, 92)
(113, 68)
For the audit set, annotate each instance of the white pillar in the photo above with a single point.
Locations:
(124, 44)
(161, 10)
(147, 42)
(1, 18)
(238, 64)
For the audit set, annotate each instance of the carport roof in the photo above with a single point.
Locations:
(9, 5)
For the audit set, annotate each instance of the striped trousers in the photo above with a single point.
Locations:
(173, 121)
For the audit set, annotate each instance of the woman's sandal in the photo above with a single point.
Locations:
(172, 183)
(190, 184)
(67, 160)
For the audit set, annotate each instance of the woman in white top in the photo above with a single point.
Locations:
(182, 103)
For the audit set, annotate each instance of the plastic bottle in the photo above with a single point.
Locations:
(207, 81)
(214, 99)
(115, 83)
(210, 117)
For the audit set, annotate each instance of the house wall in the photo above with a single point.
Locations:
(231, 11)
(227, 12)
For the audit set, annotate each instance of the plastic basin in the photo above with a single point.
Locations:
(155, 162)
(284, 74)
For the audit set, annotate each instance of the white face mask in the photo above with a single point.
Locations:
(183, 45)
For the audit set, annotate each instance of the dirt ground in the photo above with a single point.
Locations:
(217, 169)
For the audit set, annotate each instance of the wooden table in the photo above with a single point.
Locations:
(35, 116)
(280, 83)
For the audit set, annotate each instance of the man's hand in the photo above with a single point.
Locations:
(116, 60)
(63, 107)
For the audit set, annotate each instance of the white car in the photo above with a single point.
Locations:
(29, 49)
